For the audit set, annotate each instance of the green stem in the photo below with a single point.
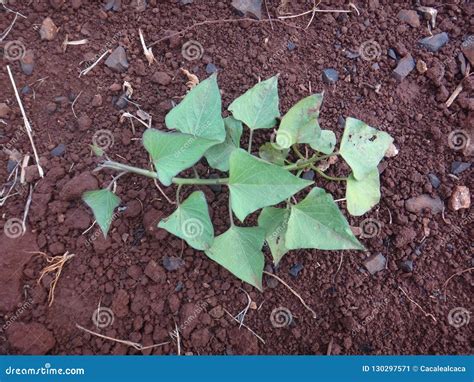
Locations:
(250, 140)
(231, 216)
(200, 182)
(308, 162)
(327, 176)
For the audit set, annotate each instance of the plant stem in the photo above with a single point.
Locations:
(327, 176)
(305, 163)
(200, 182)
(177, 193)
(230, 212)
(250, 140)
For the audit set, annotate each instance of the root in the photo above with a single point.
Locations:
(453, 275)
(418, 305)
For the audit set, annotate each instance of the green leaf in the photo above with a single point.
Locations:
(258, 107)
(273, 154)
(363, 147)
(97, 150)
(239, 251)
(103, 204)
(174, 152)
(218, 155)
(254, 183)
(275, 222)
(362, 194)
(199, 113)
(317, 222)
(300, 124)
(191, 222)
(325, 143)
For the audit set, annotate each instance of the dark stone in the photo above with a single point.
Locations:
(121, 102)
(434, 180)
(352, 55)
(330, 76)
(118, 60)
(436, 42)
(404, 67)
(211, 68)
(26, 90)
(114, 5)
(58, 150)
(172, 263)
(291, 46)
(341, 122)
(308, 175)
(179, 286)
(11, 164)
(251, 8)
(392, 54)
(296, 269)
(459, 167)
(186, 2)
(406, 266)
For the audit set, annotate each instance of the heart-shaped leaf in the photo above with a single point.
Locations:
(362, 194)
(199, 113)
(317, 222)
(103, 204)
(300, 124)
(273, 154)
(258, 107)
(239, 250)
(275, 222)
(254, 183)
(218, 155)
(325, 143)
(174, 152)
(191, 222)
(363, 147)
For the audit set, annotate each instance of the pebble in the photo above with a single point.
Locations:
(211, 68)
(407, 266)
(460, 198)
(4, 110)
(467, 48)
(375, 263)
(392, 151)
(352, 55)
(330, 76)
(11, 164)
(48, 30)
(26, 90)
(161, 78)
(121, 102)
(20, 337)
(84, 122)
(179, 286)
(117, 60)
(27, 62)
(252, 8)
(419, 203)
(58, 150)
(114, 5)
(155, 272)
(308, 175)
(97, 100)
(421, 66)
(436, 42)
(296, 269)
(404, 67)
(172, 263)
(434, 180)
(291, 46)
(75, 187)
(410, 17)
(392, 54)
(459, 167)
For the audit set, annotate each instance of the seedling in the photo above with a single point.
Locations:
(271, 183)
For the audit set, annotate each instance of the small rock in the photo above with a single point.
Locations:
(330, 76)
(421, 66)
(121, 102)
(74, 188)
(84, 122)
(308, 175)
(436, 42)
(392, 151)
(418, 203)
(4, 110)
(296, 269)
(27, 62)
(251, 8)
(134, 271)
(48, 30)
(392, 54)
(51, 107)
(186, 2)
(467, 48)
(179, 286)
(291, 46)
(217, 312)
(434, 180)
(117, 60)
(114, 5)
(32, 338)
(407, 266)
(459, 167)
(161, 78)
(172, 263)
(352, 55)
(139, 5)
(404, 67)
(211, 68)
(460, 198)
(217, 188)
(25, 90)
(58, 150)
(97, 100)
(375, 263)
(76, 4)
(155, 272)
(31, 173)
(410, 17)
(11, 164)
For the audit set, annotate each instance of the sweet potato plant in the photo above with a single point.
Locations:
(268, 182)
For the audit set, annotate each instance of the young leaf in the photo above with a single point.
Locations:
(173, 152)
(271, 153)
(218, 155)
(316, 222)
(275, 222)
(258, 107)
(363, 147)
(98, 151)
(254, 183)
(325, 143)
(199, 113)
(300, 124)
(239, 251)
(191, 222)
(103, 204)
(363, 194)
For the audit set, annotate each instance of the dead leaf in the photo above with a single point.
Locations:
(193, 80)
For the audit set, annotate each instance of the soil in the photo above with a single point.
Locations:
(357, 313)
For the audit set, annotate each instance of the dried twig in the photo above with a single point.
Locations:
(147, 51)
(27, 208)
(87, 70)
(66, 42)
(454, 275)
(246, 327)
(292, 291)
(162, 192)
(74, 102)
(313, 11)
(240, 317)
(418, 305)
(135, 345)
(26, 122)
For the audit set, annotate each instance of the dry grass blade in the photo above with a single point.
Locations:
(246, 327)
(56, 266)
(87, 70)
(150, 57)
(66, 42)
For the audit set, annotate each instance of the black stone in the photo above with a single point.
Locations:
(58, 150)
(330, 76)
(308, 175)
(11, 164)
(172, 263)
(406, 266)
(459, 167)
(296, 269)
(211, 68)
(291, 46)
(436, 42)
(434, 180)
